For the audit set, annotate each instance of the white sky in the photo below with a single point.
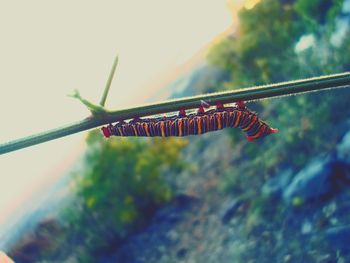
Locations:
(49, 48)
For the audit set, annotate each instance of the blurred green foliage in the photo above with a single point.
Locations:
(265, 38)
(264, 51)
(316, 13)
(121, 184)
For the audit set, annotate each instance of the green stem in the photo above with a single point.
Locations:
(267, 91)
(109, 82)
(247, 94)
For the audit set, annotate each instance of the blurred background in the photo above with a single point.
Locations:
(209, 198)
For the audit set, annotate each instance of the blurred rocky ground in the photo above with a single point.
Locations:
(306, 218)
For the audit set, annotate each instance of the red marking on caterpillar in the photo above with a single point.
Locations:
(220, 106)
(182, 113)
(240, 104)
(106, 132)
(200, 110)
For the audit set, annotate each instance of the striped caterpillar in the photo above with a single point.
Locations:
(194, 124)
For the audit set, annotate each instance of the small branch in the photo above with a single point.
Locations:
(267, 91)
(109, 82)
(93, 108)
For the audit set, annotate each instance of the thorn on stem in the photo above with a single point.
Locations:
(75, 94)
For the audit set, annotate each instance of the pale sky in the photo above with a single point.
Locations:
(49, 48)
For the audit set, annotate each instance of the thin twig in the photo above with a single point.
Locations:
(109, 82)
(260, 92)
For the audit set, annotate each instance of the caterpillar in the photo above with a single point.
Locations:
(197, 123)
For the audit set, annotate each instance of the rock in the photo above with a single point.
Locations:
(311, 182)
(306, 227)
(229, 209)
(322, 178)
(181, 253)
(287, 258)
(339, 238)
(273, 187)
(173, 235)
(174, 211)
(343, 149)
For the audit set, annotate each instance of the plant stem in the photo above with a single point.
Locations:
(109, 82)
(247, 94)
(267, 91)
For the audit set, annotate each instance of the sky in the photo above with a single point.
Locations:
(50, 48)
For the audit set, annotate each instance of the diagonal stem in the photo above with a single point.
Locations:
(274, 90)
